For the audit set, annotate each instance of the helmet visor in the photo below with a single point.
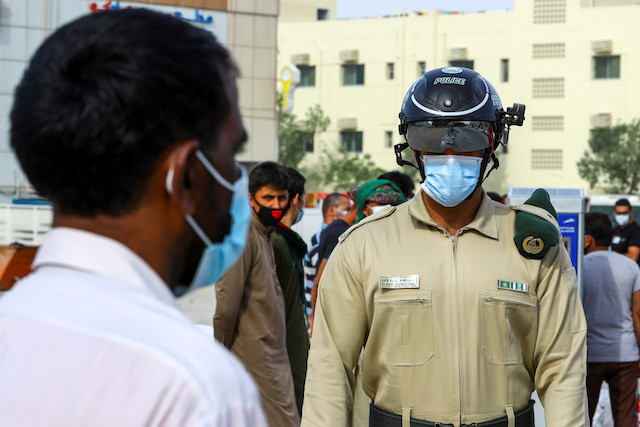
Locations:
(435, 136)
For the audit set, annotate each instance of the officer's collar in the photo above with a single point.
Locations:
(485, 221)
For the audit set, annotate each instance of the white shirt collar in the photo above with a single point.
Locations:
(95, 254)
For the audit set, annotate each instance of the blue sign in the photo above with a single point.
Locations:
(569, 228)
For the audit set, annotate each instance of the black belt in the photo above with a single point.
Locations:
(379, 417)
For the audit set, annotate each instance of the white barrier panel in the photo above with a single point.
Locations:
(25, 224)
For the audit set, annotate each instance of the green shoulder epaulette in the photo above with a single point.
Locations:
(379, 215)
(536, 226)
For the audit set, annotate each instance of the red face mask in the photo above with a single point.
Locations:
(269, 216)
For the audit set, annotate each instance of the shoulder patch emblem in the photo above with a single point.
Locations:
(532, 245)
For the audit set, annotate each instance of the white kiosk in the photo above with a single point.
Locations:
(569, 203)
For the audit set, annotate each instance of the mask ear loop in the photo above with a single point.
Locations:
(168, 182)
(169, 187)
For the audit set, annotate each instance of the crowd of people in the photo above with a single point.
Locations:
(443, 307)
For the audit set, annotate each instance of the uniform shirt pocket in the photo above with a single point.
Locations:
(506, 318)
(403, 325)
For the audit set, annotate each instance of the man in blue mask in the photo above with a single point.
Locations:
(250, 305)
(459, 319)
(128, 122)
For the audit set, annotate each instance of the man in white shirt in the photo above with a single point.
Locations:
(128, 122)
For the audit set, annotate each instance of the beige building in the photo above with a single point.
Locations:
(246, 27)
(571, 62)
(307, 10)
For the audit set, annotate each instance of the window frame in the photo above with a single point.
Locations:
(390, 70)
(609, 59)
(422, 68)
(504, 70)
(462, 63)
(388, 139)
(359, 72)
(307, 70)
(348, 143)
(308, 139)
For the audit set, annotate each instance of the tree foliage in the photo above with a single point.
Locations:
(293, 133)
(613, 158)
(340, 170)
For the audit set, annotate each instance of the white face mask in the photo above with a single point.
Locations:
(622, 220)
(376, 209)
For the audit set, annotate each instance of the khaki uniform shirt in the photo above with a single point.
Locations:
(249, 320)
(476, 330)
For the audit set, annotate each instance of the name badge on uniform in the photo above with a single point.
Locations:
(399, 282)
(616, 240)
(513, 286)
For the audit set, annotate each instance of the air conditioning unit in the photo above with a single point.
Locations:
(602, 46)
(349, 123)
(349, 56)
(458, 54)
(300, 59)
(602, 120)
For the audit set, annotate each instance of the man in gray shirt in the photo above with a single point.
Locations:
(612, 308)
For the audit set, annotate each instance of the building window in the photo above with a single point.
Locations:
(466, 63)
(546, 159)
(548, 87)
(307, 142)
(549, 11)
(504, 70)
(547, 123)
(390, 71)
(388, 139)
(307, 75)
(606, 67)
(322, 14)
(548, 50)
(351, 141)
(352, 74)
(422, 68)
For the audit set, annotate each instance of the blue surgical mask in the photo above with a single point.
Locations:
(449, 180)
(300, 215)
(217, 258)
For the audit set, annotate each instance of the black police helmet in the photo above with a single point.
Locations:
(457, 106)
(450, 93)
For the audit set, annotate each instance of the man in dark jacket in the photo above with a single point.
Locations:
(288, 251)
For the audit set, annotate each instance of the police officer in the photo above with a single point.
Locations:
(460, 318)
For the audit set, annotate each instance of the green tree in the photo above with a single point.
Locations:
(293, 134)
(340, 170)
(613, 158)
